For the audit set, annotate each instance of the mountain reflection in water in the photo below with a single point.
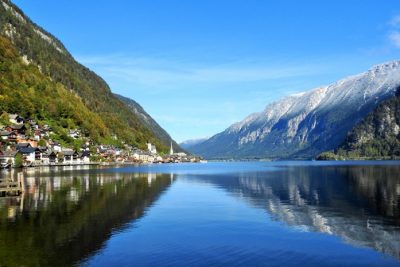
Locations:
(360, 204)
(67, 214)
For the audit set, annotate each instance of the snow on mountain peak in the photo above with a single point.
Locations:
(353, 91)
(391, 65)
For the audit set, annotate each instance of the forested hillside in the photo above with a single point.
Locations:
(376, 137)
(148, 121)
(41, 79)
(28, 92)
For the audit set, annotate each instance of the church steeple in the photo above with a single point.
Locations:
(171, 151)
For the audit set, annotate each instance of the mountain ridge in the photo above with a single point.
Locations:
(187, 144)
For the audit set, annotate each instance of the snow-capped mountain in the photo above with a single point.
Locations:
(305, 124)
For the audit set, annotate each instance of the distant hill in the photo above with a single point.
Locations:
(305, 124)
(40, 79)
(192, 142)
(149, 122)
(377, 136)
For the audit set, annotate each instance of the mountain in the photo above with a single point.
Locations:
(41, 79)
(305, 124)
(377, 136)
(192, 142)
(149, 122)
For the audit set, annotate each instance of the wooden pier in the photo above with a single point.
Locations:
(9, 187)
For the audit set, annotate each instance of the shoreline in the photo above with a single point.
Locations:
(111, 164)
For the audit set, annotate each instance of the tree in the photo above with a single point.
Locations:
(4, 118)
(18, 161)
(42, 142)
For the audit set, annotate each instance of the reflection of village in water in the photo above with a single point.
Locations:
(66, 214)
(40, 185)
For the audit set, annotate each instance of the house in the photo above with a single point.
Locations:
(49, 157)
(15, 119)
(55, 146)
(26, 143)
(67, 156)
(4, 135)
(38, 155)
(19, 128)
(84, 157)
(12, 137)
(7, 157)
(70, 157)
(146, 157)
(76, 158)
(44, 133)
(75, 134)
(117, 152)
(32, 123)
(33, 142)
(85, 147)
(158, 159)
(37, 135)
(136, 153)
(181, 154)
(43, 149)
(28, 154)
(22, 145)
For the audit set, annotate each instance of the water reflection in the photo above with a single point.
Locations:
(65, 215)
(360, 204)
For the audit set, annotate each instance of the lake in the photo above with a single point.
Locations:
(214, 214)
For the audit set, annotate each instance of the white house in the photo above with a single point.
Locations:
(143, 156)
(49, 157)
(37, 135)
(4, 135)
(8, 157)
(28, 154)
(136, 154)
(68, 156)
(15, 119)
(75, 134)
(56, 147)
(146, 157)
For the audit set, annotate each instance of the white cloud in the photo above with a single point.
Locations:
(394, 38)
(394, 34)
(156, 72)
(395, 21)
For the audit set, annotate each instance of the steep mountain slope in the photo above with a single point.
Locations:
(149, 122)
(30, 93)
(305, 124)
(376, 136)
(39, 48)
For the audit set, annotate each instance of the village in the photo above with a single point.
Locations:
(25, 143)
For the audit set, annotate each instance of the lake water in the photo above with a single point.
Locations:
(235, 214)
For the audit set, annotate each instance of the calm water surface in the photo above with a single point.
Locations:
(236, 214)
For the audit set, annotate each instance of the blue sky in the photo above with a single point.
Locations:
(199, 66)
